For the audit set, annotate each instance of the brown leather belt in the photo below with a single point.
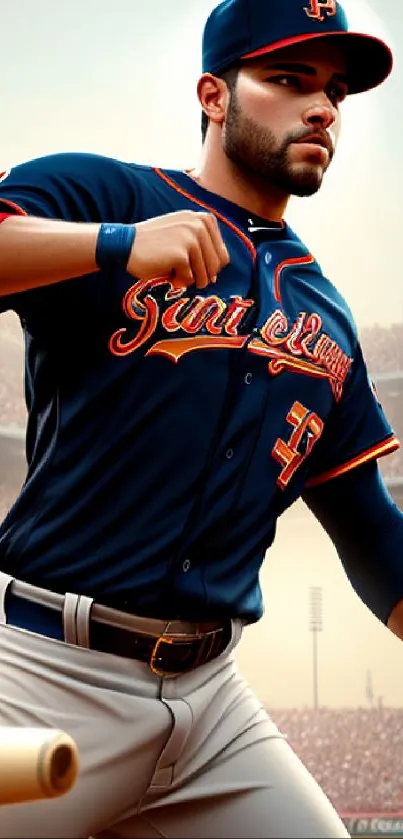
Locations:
(169, 648)
(166, 655)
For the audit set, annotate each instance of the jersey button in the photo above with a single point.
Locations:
(229, 454)
(186, 566)
(248, 378)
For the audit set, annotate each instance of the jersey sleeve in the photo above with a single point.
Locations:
(66, 187)
(356, 432)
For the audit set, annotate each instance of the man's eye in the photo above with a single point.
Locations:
(337, 94)
(285, 80)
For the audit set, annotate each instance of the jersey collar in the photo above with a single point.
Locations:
(255, 227)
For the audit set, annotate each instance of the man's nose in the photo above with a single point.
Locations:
(320, 115)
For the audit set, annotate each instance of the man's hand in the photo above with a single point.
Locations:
(186, 245)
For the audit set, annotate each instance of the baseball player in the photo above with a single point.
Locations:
(190, 372)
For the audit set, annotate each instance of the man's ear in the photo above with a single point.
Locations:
(214, 97)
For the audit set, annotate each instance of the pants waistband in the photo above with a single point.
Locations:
(76, 609)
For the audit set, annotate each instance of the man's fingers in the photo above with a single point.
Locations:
(198, 268)
(182, 274)
(211, 259)
(217, 240)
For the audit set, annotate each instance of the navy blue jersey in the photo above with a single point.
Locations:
(168, 429)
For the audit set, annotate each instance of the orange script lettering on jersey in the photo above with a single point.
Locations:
(197, 323)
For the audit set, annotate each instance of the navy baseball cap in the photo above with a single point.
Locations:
(238, 30)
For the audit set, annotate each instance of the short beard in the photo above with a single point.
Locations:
(254, 150)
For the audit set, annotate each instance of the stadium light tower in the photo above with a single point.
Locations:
(315, 626)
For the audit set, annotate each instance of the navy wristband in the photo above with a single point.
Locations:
(114, 245)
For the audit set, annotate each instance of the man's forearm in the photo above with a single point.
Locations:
(366, 528)
(38, 252)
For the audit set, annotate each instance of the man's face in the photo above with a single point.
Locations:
(279, 101)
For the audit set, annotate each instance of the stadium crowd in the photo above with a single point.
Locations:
(354, 754)
(383, 348)
(392, 465)
(7, 497)
(383, 351)
(12, 406)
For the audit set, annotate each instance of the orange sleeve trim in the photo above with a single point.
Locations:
(381, 449)
(17, 210)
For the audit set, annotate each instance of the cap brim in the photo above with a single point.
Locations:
(369, 60)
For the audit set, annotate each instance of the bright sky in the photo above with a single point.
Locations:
(118, 77)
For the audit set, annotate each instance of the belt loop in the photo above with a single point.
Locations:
(69, 618)
(83, 614)
(5, 582)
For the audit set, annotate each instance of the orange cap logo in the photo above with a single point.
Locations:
(318, 9)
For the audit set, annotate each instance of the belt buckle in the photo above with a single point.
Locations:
(159, 671)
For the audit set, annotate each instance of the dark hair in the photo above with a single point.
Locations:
(229, 77)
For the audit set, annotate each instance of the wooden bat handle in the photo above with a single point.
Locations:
(36, 763)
